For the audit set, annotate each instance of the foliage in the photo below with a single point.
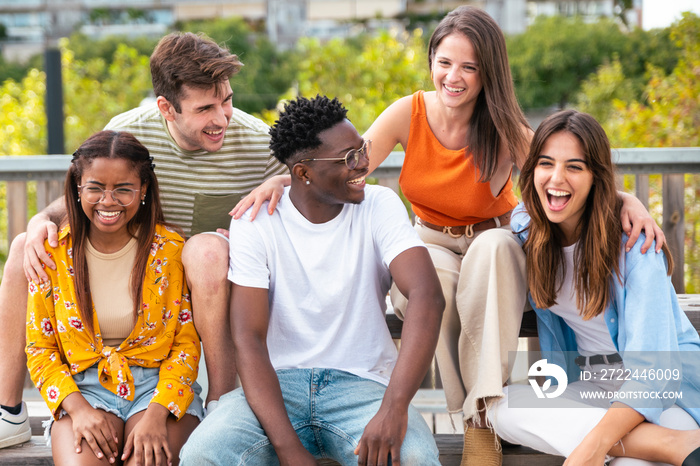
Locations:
(425, 21)
(606, 86)
(11, 70)
(93, 91)
(366, 74)
(643, 48)
(85, 48)
(96, 91)
(267, 73)
(22, 115)
(551, 59)
(668, 116)
(555, 55)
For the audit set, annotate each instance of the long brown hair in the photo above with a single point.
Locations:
(497, 117)
(597, 253)
(112, 145)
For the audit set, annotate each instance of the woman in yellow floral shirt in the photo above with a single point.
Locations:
(111, 344)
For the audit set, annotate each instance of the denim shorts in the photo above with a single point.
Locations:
(145, 383)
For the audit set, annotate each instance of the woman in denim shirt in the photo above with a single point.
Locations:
(608, 317)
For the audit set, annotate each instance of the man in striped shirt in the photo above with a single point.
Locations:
(207, 155)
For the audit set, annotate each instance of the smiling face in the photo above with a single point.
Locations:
(201, 124)
(108, 218)
(455, 71)
(333, 183)
(563, 181)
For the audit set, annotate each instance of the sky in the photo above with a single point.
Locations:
(661, 13)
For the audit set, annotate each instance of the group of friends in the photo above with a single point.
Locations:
(139, 260)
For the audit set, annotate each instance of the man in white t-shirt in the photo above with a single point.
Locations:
(318, 367)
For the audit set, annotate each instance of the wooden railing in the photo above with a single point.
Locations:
(49, 172)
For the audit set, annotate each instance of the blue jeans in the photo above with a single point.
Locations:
(329, 410)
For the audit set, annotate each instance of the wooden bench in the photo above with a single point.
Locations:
(36, 452)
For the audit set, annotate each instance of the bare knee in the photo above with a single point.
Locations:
(205, 258)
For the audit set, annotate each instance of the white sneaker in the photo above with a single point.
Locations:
(14, 428)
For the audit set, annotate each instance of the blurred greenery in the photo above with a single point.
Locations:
(12, 70)
(367, 73)
(643, 86)
(666, 115)
(552, 59)
(267, 73)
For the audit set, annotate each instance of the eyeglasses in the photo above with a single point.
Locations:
(94, 194)
(352, 158)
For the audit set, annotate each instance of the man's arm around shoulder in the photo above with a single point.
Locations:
(250, 317)
(44, 225)
(415, 276)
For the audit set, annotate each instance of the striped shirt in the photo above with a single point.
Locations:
(199, 188)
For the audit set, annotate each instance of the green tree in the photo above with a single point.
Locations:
(606, 86)
(643, 48)
(366, 74)
(667, 116)
(22, 115)
(267, 73)
(96, 91)
(11, 70)
(85, 48)
(556, 54)
(93, 91)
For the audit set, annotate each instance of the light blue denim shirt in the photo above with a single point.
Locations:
(646, 323)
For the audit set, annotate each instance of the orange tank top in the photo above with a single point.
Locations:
(442, 184)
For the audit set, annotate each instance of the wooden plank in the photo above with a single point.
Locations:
(35, 423)
(528, 327)
(46, 192)
(674, 225)
(55, 189)
(450, 446)
(641, 188)
(16, 209)
(34, 452)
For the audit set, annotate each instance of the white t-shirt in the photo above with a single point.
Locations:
(592, 336)
(327, 282)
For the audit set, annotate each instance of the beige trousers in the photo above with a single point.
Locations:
(484, 283)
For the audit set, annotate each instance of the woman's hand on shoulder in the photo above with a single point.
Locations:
(270, 190)
(148, 440)
(635, 218)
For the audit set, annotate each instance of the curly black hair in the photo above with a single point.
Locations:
(300, 122)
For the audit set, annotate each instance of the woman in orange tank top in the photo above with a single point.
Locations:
(461, 142)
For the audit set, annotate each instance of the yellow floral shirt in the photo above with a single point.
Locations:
(58, 345)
